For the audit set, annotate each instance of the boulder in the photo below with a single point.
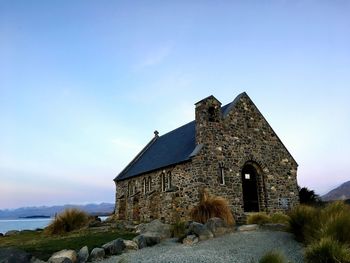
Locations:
(190, 240)
(12, 232)
(36, 260)
(62, 256)
(217, 226)
(156, 226)
(200, 230)
(140, 241)
(146, 240)
(114, 247)
(251, 227)
(130, 245)
(97, 254)
(83, 254)
(14, 255)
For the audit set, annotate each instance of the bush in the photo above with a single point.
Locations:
(212, 206)
(279, 218)
(335, 222)
(258, 218)
(67, 221)
(327, 250)
(179, 229)
(302, 222)
(273, 257)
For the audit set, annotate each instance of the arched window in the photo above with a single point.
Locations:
(163, 183)
(144, 186)
(221, 174)
(169, 181)
(129, 188)
(149, 184)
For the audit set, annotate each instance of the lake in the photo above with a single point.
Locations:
(26, 224)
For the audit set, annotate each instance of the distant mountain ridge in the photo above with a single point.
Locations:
(93, 209)
(342, 192)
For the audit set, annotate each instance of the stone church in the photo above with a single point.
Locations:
(230, 150)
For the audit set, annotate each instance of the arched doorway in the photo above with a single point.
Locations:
(250, 188)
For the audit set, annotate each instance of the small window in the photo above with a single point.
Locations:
(211, 114)
(163, 183)
(247, 176)
(144, 186)
(149, 184)
(222, 174)
(169, 181)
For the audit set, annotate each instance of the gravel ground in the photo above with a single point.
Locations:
(237, 247)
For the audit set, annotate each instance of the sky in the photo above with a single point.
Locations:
(83, 85)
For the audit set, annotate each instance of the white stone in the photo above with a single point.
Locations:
(65, 253)
(251, 227)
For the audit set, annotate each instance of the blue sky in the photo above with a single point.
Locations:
(83, 85)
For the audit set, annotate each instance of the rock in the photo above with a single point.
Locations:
(12, 232)
(36, 260)
(217, 226)
(140, 241)
(146, 240)
(156, 226)
(251, 227)
(190, 240)
(114, 247)
(130, 245)
(61, 256)
(60, 260)
(97, 254)
(200, 230)
(83, 254)
(14, 255)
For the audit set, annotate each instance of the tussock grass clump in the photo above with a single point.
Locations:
(273, 257)
(178, 229)
(212, 206)
(279, 218)
(301, 221)
(327, 250)
(67, 221)
(258, 218)
(335, 222)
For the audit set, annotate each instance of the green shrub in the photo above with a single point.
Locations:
(67, 221)
(179, 229)
(279, 218)
(273, 257)
(303, 222)
(258, 218)
(335, 222)
(327, 250)
(212, 206)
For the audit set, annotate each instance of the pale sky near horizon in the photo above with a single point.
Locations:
(83, 85)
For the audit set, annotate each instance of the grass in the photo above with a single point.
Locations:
(279, 218)
(212, 206)
(42, 246)
(325, 231)
(273, 257)
(327, 250)
(178, 229)
(70, 219)
(258, 218)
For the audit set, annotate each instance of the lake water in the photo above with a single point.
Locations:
(26, 224)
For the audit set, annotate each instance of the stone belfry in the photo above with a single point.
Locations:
(208, 118)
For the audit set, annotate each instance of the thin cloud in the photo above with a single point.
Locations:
(156, 57)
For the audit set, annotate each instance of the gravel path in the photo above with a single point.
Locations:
(237, 247)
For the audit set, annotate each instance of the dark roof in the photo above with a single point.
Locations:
(171, 148)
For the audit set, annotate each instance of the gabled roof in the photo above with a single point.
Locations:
(171, 148)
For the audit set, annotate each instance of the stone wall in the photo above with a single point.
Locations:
(241, 137)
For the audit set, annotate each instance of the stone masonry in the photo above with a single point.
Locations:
(229, 141)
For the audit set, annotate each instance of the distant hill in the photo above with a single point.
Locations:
(340, 193)
(92, 209)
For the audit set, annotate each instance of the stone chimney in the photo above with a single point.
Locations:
(208, 118)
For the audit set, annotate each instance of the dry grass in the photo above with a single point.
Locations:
(212, 206)
(258, 218)
(273, 257)
(67, 221)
